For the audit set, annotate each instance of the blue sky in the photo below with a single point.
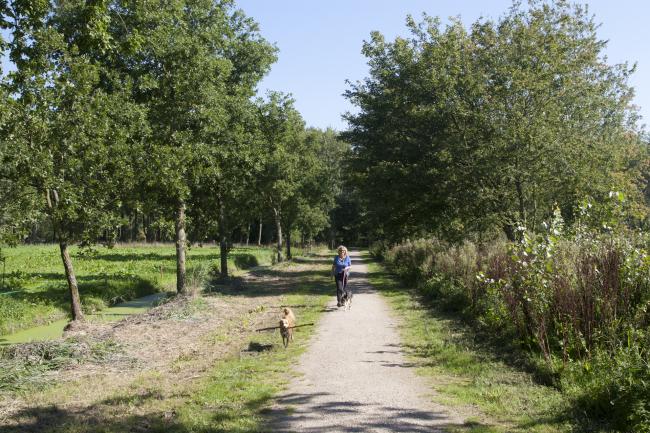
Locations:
(320, 43)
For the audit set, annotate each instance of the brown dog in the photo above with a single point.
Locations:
(287, 323)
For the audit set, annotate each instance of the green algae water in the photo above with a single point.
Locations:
(54, 330)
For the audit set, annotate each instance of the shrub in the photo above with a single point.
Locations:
(580, 299)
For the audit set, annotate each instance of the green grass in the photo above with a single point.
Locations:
(231, 395)
(105, 275)
(239, 390)
(467, 373)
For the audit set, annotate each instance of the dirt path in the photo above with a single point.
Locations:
(355, 378)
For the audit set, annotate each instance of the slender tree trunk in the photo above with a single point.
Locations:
(223, 240)
(259, 234)
(136, 227)
(75, 301)
(520, 197)
(248, 233)
(278, 226)
(181, 241)
(289, 244)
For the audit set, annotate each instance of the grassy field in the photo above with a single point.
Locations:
(219, 376)
(470, 374)
(106, 276)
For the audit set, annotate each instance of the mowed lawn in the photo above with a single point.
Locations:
(106, 276)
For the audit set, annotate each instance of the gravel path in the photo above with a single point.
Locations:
(354, 377)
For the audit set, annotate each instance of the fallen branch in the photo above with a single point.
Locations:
(277, 327)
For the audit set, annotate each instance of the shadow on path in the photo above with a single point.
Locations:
(372, 417)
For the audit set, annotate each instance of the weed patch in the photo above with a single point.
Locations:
(467, 374)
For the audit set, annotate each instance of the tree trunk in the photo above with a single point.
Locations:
(180, 248)
(520, 197)
(289, 244)
(278, 226)
(259, 234)
(223, 240)
(136, 227)
(75, 301)
(248, 234)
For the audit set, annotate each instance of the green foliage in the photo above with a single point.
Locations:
(577, 296)
(463, 130)
(614, 385)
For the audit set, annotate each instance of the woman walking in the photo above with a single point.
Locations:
(340, 269)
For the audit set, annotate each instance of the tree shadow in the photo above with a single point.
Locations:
(113, 289)
(244, 260)
(317, 412)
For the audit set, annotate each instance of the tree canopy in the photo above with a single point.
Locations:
(461, 130)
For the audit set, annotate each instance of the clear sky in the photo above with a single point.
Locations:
(320, 43)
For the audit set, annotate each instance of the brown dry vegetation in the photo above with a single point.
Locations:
(159, 358)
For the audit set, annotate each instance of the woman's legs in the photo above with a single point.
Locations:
(340, 287)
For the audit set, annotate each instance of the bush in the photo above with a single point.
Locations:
(581, 300)
(378, 249)
(614, 386)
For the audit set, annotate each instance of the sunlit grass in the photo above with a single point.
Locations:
(106, 276)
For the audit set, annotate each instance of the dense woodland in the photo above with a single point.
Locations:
(499, 167)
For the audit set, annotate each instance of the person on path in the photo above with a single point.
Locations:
(340, 269)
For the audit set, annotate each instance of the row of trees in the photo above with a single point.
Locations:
(119, 107)
(517, 126)
(467, 130)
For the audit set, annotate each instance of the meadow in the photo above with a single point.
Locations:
(35, 290)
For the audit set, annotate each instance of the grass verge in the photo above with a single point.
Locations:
(238, 391)
(497, 397)
(222, 380)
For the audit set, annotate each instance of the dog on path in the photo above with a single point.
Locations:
(287, 323)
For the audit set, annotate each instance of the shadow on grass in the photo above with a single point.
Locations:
(101, 417)
(269, 282)
(113, 289)
(53, 419)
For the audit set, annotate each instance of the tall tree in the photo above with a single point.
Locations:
(320, 159)
(68, 137)
(188, 59)
(462, 130)
(278, 180)
(18, 206)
